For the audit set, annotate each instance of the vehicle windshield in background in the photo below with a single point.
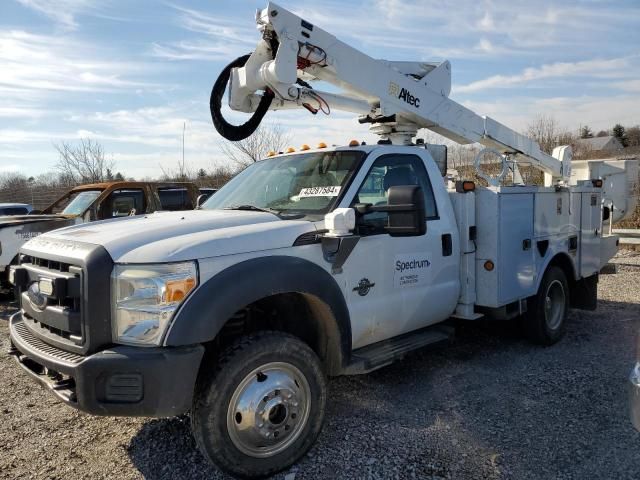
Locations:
(175, 199)
(80, 201)
(308, 184)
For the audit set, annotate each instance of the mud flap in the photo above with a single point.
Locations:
(584, 295)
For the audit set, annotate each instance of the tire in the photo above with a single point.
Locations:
(261, 407)
(547, 311)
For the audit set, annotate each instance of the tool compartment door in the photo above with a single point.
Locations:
(516, 272)
(590, 232)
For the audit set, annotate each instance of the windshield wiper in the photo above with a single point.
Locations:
(277, 213)
(253, 208)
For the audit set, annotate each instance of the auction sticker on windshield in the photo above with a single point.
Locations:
(330, 191)
(411, 270)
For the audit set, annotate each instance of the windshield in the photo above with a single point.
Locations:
(80, 202)
(306, 184)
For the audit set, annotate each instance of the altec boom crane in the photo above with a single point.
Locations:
(397, 98)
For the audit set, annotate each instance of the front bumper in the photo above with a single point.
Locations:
(634, 395)
(119, 381)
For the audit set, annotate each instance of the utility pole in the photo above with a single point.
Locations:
(184, 127)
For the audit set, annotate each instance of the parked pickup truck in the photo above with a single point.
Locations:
(15, 209)
(87, 203)
(328, 261)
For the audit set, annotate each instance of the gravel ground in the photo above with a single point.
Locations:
(490, 406)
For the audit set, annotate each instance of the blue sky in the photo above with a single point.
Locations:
(130, 73)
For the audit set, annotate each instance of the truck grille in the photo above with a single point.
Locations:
(56, 317)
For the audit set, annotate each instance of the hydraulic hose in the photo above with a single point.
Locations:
(224, 128)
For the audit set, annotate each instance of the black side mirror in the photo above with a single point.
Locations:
(606, 213)
(406, 211)
(200, 200)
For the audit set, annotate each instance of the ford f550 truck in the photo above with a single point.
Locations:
(322, 262)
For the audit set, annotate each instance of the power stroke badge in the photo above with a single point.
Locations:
(411, 270)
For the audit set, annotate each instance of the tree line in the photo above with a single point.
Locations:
(86, 161)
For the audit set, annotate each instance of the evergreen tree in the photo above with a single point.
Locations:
(620, 134)
(585, 132)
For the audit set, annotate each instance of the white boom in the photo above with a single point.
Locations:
(397, 98)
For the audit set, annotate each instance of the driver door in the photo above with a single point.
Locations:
(398, 284)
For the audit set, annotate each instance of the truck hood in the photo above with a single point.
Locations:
(186, 235)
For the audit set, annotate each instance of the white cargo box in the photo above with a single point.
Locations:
(520, 229)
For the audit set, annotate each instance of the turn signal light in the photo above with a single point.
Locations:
(489, 265)
(305, 147)
(178, 289)
(597, 183)
(322, 145)
(291, 150)
(354, 143)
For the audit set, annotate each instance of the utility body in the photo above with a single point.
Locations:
(327, 261)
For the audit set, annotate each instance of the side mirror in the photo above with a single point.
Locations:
(200, 200)
(406, 211)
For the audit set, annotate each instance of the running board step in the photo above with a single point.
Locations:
(381, 354)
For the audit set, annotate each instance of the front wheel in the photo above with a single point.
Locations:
(547, 311)
(261, 407)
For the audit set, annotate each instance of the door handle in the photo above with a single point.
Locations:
(447, 245)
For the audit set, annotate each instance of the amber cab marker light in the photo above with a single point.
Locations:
(271, 153)
(354, 143)
(305, 147)
(291, 150)
(489, 266)
(322, 145)
(465, 186)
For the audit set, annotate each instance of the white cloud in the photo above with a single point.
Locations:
(593, 68)
(628, 85)
(47, 63)
(216, 38)
(571, 112)
(62, 12)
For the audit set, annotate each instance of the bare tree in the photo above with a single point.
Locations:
(250, 150)
(633, 136)
(82, 163)
(545, 130)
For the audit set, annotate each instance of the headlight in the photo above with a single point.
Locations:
(145, 297)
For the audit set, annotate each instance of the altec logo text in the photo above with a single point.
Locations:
(404, 94)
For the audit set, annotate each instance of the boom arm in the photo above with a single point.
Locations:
(397, 98)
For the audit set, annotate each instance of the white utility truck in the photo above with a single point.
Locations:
(326, 261)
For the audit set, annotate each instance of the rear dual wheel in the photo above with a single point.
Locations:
(547, 311)
(261, 408)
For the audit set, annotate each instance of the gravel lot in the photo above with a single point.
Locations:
(491, 406)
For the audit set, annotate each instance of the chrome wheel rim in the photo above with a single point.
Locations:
(269, 409)
(554, 304)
